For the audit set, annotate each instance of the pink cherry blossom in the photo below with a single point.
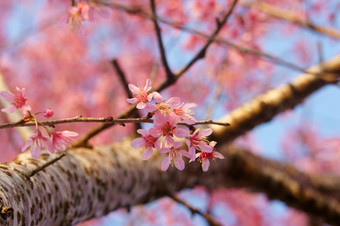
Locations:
(162, 106)
(204, 157)
(167, 126)
(60, 140)
(185, 113)
(141, 95)
(36, 143)
(199, 141)
(148, 142)
(77, 14)
(48, 112)
(17, 101)
(174, 156)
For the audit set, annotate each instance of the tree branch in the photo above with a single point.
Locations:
(286, 15)
(88, 183)
(170, 76)
(266, 106)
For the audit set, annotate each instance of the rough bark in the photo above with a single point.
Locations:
(88, 183)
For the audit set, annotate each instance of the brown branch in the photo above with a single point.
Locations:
(193, 210)
(266, 106)
(170, 76)
(286, 15)
(122, 77)
(91, 182)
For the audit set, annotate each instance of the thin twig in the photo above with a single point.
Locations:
(193, 210)
(288, 16)
(169, 74)
(108, 120)
(40, 168)
(122, 77)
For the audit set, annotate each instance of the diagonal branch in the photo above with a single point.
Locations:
(122, 77)
(88, 183)
(286, 15)
(170, 76)
(266, 106)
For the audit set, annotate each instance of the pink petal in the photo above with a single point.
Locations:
(155, 132)
(67, 133)
(147, 85)
(26, 146)
(168, 141)
(189, 105)
(157, 96)
(218, 155)
(179, 163)
(147, 153)
(205, 165)
(174, 102)
(165, 163)
(164, 150)
(158, 145)
(205, 148)
(205, 132)
(138, 143)
(9, 109)
(8, 96)
(35, 151)
(181, 132)
(134, 89)
(143, 132)
(141, 105)
(188, 155)
(132, 100)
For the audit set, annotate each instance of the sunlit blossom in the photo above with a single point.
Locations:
(148, 142)
(205, 157)
(37, 143)
(17, 101)
(174, 156)
(61, 140)
(198, 140)
(141, 95)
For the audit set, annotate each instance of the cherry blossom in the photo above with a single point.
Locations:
(37, 143)
(185, 113)
(148, 142)
(204, 157)
(198, 140)
(17, 101)
(174, 156)
(60, 140)
(141, 95)
(167, 126)
(77, 14)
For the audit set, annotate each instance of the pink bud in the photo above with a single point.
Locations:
(48, 112)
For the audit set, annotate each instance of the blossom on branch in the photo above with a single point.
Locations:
(37, 143)
(17, 101)
(60, 140)
(174, 156)
(148, 142)
(198, 140)
(204, 157)
(48, 112)
(141, 95)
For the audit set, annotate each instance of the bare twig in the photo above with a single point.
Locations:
(193, 210)
(122, 77)
(170, 76)
(108, 120)
(286, 15)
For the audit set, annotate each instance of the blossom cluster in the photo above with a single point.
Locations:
(56, 140)
(171, 121)
(84, 11)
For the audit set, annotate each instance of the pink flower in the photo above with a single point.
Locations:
(185, 113)
(175, 156)
(147, 141)
(204, 157)
(60, 140)
(48, 112)
(198, 140)
(166, 126)
(16, 100)
(141, 95)
(165, 107)
(37, 142)
(77, 14)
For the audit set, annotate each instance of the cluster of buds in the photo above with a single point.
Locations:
(171, 120)
(56, 140)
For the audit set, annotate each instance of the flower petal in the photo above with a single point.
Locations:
(138, 143)
(165, 163)
(205, 165)
(147, 153)
(179, 163)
